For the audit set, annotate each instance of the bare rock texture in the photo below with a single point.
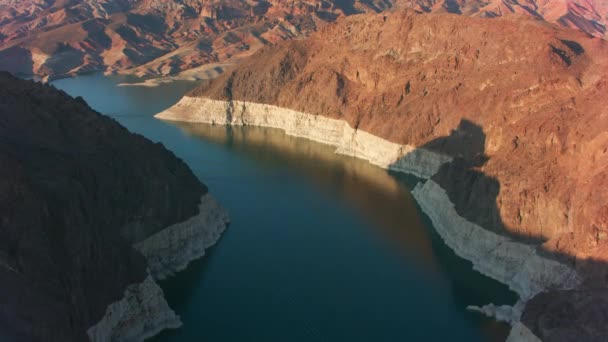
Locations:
(152, 37)
(335, 132)
(54, 39)
(589, 16)
(522, 118)
(141, 313)
(77, 191)
(516, 105)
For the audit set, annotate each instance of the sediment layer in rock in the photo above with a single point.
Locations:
(141, 313)
(335, 132)
(510, 262)
(515, 108)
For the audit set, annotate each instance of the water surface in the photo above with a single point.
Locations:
(321, 247)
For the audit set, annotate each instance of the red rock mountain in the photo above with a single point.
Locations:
(521, 105)
(59, 38)
(590, 16)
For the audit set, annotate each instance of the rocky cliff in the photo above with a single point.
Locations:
(78, 192)
(589, 16)
(505, 117)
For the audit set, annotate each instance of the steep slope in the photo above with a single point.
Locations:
(152, 37)
(505, 117)
(60, 38)
(77, 192)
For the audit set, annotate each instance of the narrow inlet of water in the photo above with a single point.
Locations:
(321, 247)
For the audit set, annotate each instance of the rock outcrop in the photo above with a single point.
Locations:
(53, 39)
(142, 312)
(505, 117)
(590, 17)
(170, 250)
(79, 196)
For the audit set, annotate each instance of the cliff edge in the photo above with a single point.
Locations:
(78, 191)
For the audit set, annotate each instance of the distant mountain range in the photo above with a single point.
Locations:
(83, 204)
(56, 39)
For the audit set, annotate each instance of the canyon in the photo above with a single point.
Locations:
(503, 119)
(92, 216)
(497, 107)
(53, 39)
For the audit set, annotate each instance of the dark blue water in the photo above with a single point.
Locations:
(321, 247)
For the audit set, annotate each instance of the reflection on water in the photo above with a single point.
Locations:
(321, 247)
(382, 198)
(376, 195)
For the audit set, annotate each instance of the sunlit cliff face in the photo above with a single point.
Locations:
(152, 37)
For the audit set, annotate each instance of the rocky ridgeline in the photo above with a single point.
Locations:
(53, 39)
(82, 203)
(151, 37)
(504, 118)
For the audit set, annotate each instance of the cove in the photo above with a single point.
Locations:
(321, 247)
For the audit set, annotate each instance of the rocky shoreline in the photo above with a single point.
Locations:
(173, 248)
(92, 216)
(513, 263)
(348, 141)
(143, 312)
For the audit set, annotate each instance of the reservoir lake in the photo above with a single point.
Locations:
(321, 247)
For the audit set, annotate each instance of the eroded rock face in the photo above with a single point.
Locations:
(587, 16)
(62, 38)
(77, 191)
(517, 105)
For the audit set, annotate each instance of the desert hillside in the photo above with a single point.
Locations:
(60, 38)
(78, 191)
(589, 16)
(54, 39)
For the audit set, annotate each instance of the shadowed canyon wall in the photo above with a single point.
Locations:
(77, 192)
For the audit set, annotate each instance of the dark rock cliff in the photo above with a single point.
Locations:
(76, 191)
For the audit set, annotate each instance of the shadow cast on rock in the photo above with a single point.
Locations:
(564, 309)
